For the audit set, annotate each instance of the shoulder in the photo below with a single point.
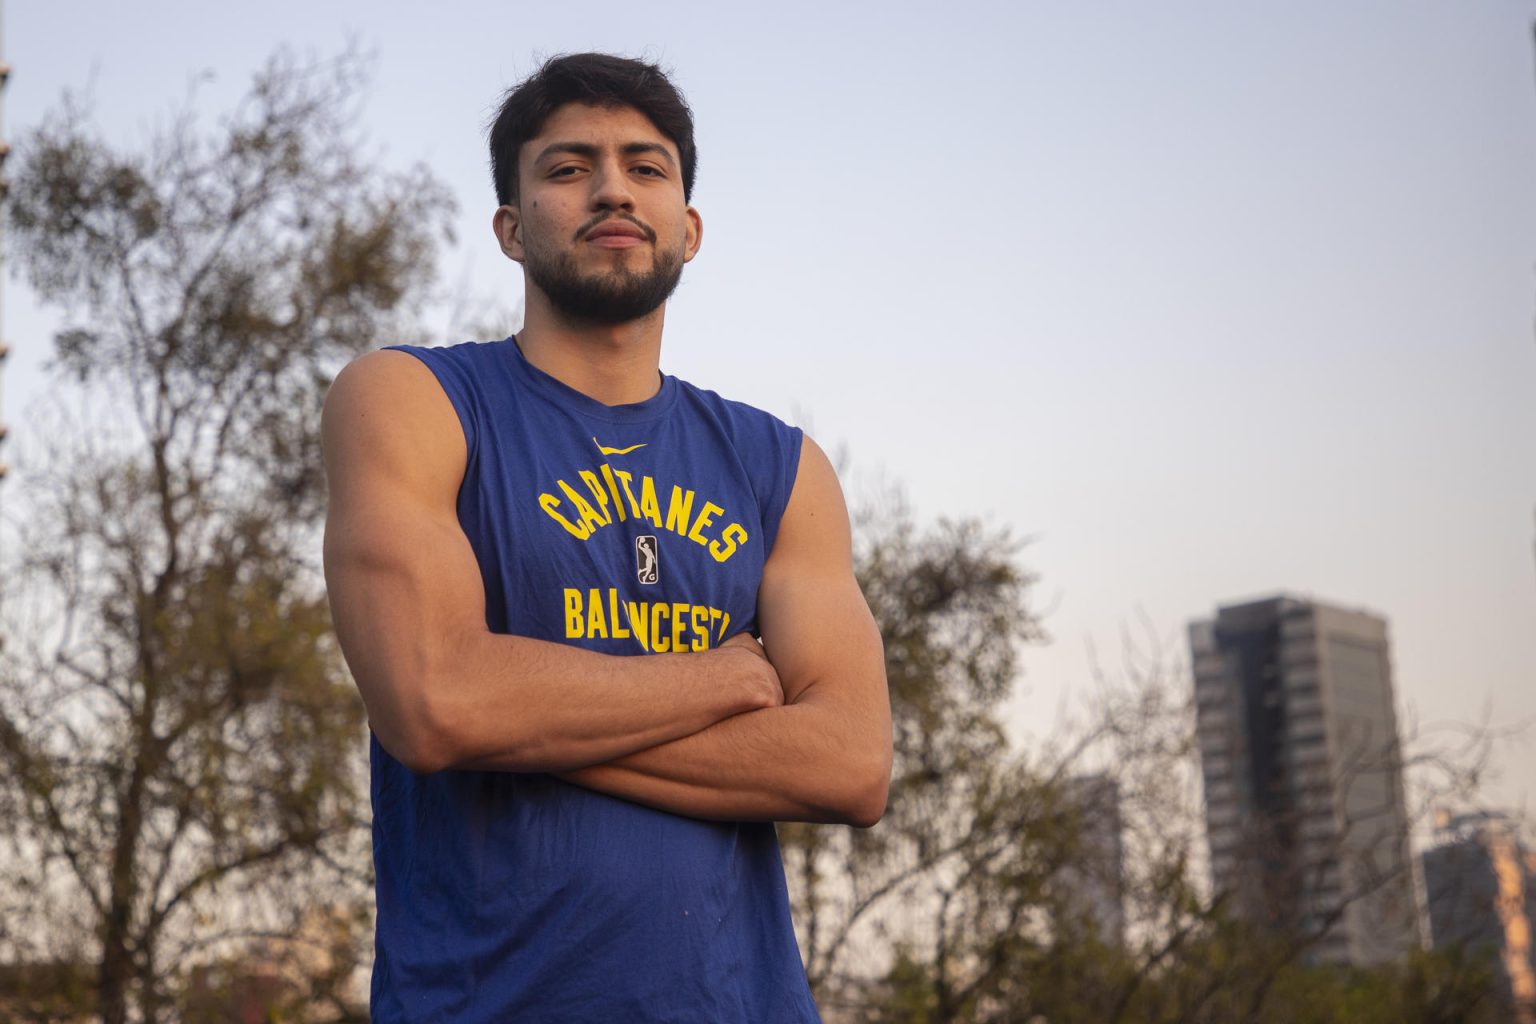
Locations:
(461, 369)
(816, 505)
(397, 380)
(439, 387)
(388, 409)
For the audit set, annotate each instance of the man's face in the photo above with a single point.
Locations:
(601, 226)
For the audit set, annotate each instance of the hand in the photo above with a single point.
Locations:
(760, 678)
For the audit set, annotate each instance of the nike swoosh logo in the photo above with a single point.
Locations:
(615, 451)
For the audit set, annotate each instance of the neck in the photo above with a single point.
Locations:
(616, 364)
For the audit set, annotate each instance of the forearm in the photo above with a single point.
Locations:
(562, 707)
(800, 762)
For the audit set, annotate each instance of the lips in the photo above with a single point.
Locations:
(615, 229)
(618, 233)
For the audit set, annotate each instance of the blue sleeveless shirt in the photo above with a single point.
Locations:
(506, 896)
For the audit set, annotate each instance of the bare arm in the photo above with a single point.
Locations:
(442, 690)
(826, 754)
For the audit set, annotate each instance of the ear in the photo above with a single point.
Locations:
(507, 222)
(694, 236)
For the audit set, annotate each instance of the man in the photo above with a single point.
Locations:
(546, 562)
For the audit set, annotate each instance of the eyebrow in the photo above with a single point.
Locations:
(590, 151)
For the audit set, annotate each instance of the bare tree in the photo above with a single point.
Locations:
(952, 606)
(179, 740)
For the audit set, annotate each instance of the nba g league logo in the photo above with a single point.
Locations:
(647, 562)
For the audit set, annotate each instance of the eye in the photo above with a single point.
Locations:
(565, 171)
(650, 171)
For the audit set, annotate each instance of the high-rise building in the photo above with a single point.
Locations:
(1094, 885)
(1303, 775)
(1480, 887)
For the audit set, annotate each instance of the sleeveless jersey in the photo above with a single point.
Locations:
(505, 896)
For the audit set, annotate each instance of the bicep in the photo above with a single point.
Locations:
(816, 625)
(399, 570)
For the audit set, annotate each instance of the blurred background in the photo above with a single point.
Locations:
(1163, 309)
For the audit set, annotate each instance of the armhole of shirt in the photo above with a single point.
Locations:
(788, 443)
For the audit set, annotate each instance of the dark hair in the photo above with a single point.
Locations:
(596, 78)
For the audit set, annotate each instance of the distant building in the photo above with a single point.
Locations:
(1480, 887)
(1095, 883)
(1303, 779)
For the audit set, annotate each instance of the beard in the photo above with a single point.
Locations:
(606, 299)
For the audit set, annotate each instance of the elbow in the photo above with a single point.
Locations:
(870, 786)
(867, 813)
(434, 722)
(413, 728)
(424, 758)
(407, 692)
(413, 741)
(438, 731)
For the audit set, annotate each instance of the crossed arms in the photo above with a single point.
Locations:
(796, 729)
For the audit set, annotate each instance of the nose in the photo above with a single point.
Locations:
(610, 188)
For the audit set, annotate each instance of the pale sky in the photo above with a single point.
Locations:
(1210, 300)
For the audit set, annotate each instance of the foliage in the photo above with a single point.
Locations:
(177, 732)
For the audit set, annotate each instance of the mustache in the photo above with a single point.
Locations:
(581, 232)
